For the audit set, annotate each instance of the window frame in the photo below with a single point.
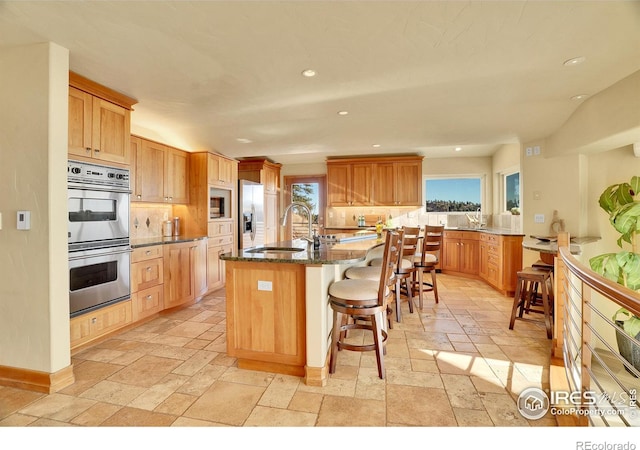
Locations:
(503, 189)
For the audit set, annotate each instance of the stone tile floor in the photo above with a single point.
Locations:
(452, 364)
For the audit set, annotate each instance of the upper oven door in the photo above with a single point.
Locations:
(97, 215)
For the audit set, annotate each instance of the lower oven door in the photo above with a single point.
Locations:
(98, 278)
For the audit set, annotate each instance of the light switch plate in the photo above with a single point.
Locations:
(23, 220)
(538, 218)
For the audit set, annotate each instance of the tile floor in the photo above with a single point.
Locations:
(451, 364)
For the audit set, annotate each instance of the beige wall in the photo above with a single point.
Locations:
(34, 286)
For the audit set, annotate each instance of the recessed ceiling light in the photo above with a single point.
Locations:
(458, 149)
(376, 145)
(343, 113)
(579, 97)
(308, 73)
(574, 61)
(244, 140)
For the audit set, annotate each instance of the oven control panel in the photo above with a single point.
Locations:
(88, 174)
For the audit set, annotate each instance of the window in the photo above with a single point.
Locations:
(453, 194)
(512, 191)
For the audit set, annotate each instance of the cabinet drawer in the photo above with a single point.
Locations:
(220, 240)
(145, 253)
(147, 302)
(92, 325)
(145, 274)
(217, 228)
(491, 238)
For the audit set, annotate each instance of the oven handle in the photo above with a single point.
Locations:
(86, 187)
(82, 254)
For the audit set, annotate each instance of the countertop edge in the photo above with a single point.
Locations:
(159, 240)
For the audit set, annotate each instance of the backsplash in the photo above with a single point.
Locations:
(146, 219)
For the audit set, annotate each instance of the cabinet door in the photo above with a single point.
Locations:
(271, 219)
(150, 164)
(200, 268)
(338, 185)
(215, 265)
(110, 137)
(176, 176)
(134, 150)
(361, 184)
(179, 283)
(384, 184)
(226, 171)
(468, 256)
(80, 116)
(483, 268)
(271, 180)
(408, 183)
(450, 254)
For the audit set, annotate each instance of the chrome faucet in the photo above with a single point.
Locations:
(283, 220)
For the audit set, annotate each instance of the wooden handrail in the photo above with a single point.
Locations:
(621, 295)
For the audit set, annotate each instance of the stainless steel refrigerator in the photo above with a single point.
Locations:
(251, 207)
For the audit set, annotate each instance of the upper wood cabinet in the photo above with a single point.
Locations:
(387, 181)
(350, 184)
(221, 171)
(261, 171)
(159, 172)
(99, 122)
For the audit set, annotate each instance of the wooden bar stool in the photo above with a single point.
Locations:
(365, 302)
(534, 289)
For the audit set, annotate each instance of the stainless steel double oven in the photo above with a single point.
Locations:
(98, 232)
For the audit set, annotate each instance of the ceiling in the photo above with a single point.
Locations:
(415, 77)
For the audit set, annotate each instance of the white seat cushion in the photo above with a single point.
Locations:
(355, 289)
(364, 273)
(428, 258)
(406, 264)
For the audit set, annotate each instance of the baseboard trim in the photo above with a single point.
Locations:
(33, 380)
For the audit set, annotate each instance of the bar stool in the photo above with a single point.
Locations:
(427, 260)
(534, 287)
(364, 301)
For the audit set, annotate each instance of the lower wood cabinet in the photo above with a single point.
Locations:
(494, 258)
(90, 326)
(184, 277)
(147, 281)
(266, 321)
(215, 266)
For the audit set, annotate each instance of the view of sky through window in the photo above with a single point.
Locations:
(452, 194)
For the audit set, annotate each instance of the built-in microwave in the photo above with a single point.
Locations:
(219, 203)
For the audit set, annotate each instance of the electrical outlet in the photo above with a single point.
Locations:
(265, 286)
(536, 150)
(538, 218)
(529, 151)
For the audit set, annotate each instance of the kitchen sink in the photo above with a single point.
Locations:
(276, 250)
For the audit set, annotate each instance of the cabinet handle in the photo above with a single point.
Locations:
(97, 150)
(149, 269)
(148, 252)
(88, 149)
(139, 196)
(94, 320)
(166, 199)
(148, 297)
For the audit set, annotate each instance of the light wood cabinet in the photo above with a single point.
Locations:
(494, 258)
(93, 325)
(266, 173)
(460, 252)
(500, 261)
(387, 181)
(220, 171)
(350, 184)
(99, 122)
(266, 327)
(161, 172)
(147, 278)
(183, 272)
(221, 239)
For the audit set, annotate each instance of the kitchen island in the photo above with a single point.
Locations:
(278, 313)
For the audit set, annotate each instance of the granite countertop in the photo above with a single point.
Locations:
(328, 253)
(499, 231)
(160, 240)
(551, 246)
